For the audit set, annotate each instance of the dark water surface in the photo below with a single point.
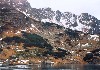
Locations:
(72, 67)
(51, 67)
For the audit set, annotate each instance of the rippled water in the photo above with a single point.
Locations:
(51, 67)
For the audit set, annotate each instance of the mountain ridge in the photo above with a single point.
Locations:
(83, 22)
(58, 33)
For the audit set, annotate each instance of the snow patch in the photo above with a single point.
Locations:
(93, 37)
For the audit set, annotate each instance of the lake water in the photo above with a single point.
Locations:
(51, 67)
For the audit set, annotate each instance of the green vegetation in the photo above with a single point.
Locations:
(29, 40)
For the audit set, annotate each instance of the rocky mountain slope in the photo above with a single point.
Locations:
(83, 22)
(47, 33)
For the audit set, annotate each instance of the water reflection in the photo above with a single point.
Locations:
(91, 67)
(69, 67)
(52, 67)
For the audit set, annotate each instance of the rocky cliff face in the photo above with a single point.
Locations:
(83, 22)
